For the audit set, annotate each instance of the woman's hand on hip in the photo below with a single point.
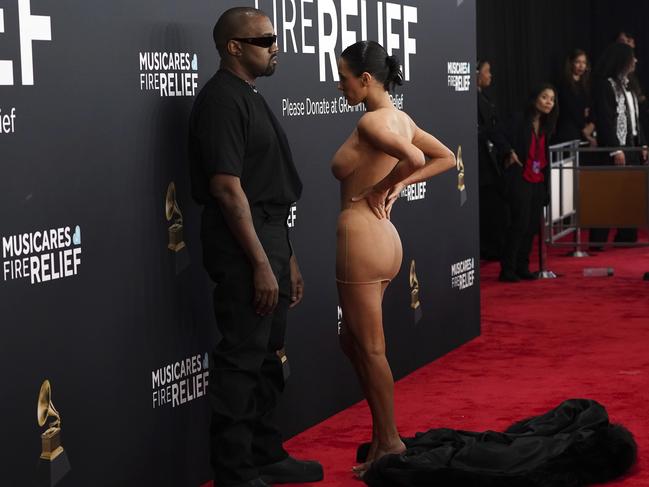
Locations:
(375, 199)
(393, 195)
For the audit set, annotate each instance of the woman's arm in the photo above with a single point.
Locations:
(375, 131)
(440, 157)
(412, 166)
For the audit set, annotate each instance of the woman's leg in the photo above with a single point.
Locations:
(365, 345)
(349, 347)
(534, 202)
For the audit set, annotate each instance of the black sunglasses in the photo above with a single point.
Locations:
(265, 41)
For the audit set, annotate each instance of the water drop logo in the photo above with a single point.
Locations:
(195, 63)
(76, 238)
(206, 362)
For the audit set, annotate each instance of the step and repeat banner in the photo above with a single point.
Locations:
(105, 307)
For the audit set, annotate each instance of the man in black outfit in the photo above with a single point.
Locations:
(493, 150)
(618, 123)
(243, 174)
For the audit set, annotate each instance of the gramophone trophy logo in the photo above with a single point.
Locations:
(172, 212)
(460, 176)
(176, 243)
(53, 463)
(414, 293)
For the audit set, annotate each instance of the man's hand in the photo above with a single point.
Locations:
(297, 283)
(588, 130)
(266, 289)
(512, 158)
(645, 154)
(227, 190)
(619, 159)
(376, 201)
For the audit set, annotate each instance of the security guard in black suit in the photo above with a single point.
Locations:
(243, 174)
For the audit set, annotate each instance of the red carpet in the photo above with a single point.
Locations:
(542, 342)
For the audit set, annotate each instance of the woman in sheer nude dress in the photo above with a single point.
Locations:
(385, 153)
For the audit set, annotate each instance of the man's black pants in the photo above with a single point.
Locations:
(493, 221)
(246, 375)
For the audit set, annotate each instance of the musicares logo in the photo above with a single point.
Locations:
(169, 73)
(180, 382)
(463, 274)
(42, 256)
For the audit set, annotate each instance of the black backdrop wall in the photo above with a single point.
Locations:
(528, 41)
(98, 296)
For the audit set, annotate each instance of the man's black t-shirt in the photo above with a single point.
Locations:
(233, 131)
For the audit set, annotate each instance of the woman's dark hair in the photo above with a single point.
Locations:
(547, 123)
(584, 81)
(370, 57)
(480, 64)
(614, 61)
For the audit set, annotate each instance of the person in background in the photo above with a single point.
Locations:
(526, 183)
(493, 149)
(576, 119)
(625, 37)
(618, 122)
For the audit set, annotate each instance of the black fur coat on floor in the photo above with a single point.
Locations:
(570, 446)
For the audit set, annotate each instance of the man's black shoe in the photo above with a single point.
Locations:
(291, 470)
(252, 483)
(526, 275)
(508, 276)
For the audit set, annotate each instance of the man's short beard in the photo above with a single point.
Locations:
(270, 69)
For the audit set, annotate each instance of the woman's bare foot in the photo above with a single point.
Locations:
(372, 451)
(394, 448)
(376, 453)
(359, 470)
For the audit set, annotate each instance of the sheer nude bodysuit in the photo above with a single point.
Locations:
(368, 249)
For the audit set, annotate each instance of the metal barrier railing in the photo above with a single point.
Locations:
(563, 216)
